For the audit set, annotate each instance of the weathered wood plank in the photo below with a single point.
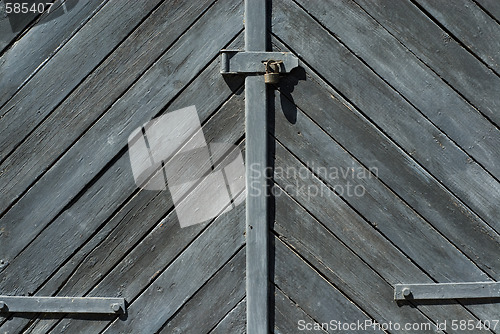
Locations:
(395, 169)
(315, 295)
(349, 273)
(476, 29)
(40, 43)
(104, 257)
(405, 73)
(441, 52)
(349, 227)
(142, 102)
(287, 315)
(61, 238)
(163, 254)
(94, 96)
(235, 321)
(9, 31)
(42, 93)
(491, 6)
(379, 205)
(183, 277)
(221, 294)
(409, 129)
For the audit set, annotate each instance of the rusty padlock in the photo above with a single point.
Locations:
(272, 75)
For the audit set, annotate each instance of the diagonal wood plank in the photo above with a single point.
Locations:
(143, 101)
(348, 272)
(395, 169)
(234, 322)
(40, 43)
(315, 295)
(220, 295)
(94, 96)
(441, 52)
(452, 167)
(288, 314)
(469, 24)
(357, 233)
(492, 7)
(183, 277)
(406, 74)
(48, 87)
(37, 267)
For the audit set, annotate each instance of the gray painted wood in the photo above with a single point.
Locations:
(93, 208)
(183, 277)
(321, 300)
(207, 309)
(492, 7)
(405, 73)
(257, 215)
(47, 89)
(375, 99)
(356, 233)
(257, 201)
(144, 100)
(41, 43)
(234, 322)
(186, 263)
(287, 315)
(226, 125)
(476, 29)
(379, 205)
(443, 54)
(89, 101)
(8, 31)
(395, 169)
(362, 282)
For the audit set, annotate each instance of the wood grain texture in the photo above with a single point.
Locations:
(287, 315)
(212, 303)
(471, 25)
(492, 7)
(376, 201)
(132, 222)
(40, 43)
(144, 100)
(426, 144)
(234, 322)
(360, 281)
(315, 295)
(84, 52)
(422, 88)
(442, 53)
(94, 96)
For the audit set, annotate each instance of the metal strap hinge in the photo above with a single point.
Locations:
(21, 304)
(447, 291)
(253, 62)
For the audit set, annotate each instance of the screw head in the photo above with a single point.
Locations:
(406, 292)
(116, 307)
(2, 305)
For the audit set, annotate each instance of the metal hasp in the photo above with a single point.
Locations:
(243, 62)
(447, 291)
(62, 305)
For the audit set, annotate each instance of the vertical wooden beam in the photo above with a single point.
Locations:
(257, 280)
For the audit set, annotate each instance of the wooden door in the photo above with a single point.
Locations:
(386, 162)
(73, 222)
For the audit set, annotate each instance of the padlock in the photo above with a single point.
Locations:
(272, 75)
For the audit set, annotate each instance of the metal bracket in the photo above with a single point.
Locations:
(447, 291)
(250, 62)
(62, 305)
